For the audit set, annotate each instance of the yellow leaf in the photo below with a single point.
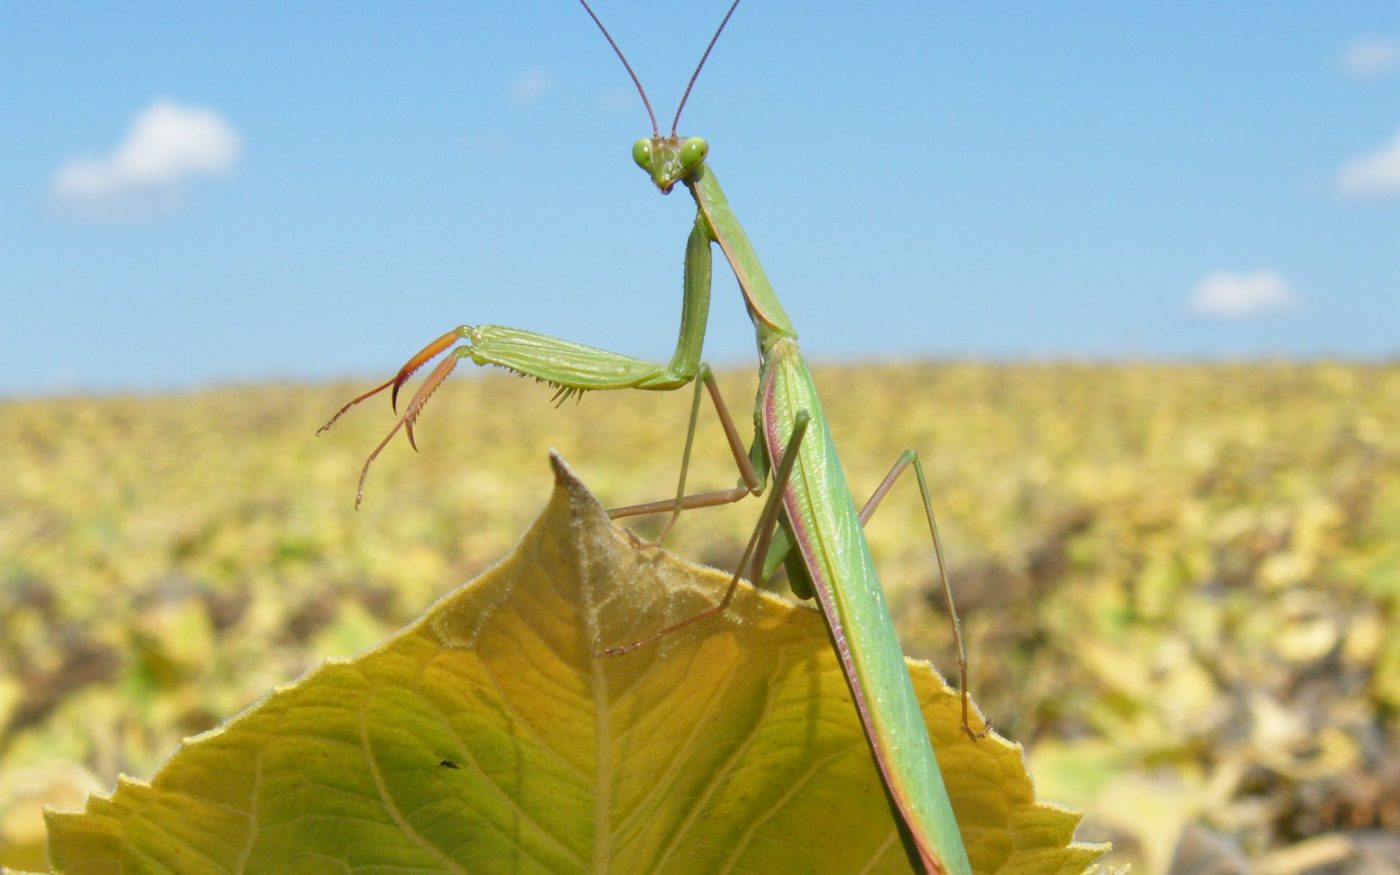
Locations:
(488, 737)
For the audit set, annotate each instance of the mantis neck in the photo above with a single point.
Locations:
(769, 319)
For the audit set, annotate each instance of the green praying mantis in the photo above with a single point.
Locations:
(809, 524)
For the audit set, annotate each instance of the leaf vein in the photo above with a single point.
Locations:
(393, 808)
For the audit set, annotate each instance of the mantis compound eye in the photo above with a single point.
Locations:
(693, 152)
(641, 153)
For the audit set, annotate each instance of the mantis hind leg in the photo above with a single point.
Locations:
(762, 533)
(906, 460)
(780, 552)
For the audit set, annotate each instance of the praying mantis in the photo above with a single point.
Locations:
(809, 523)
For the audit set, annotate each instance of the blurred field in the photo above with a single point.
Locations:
(1181, 584)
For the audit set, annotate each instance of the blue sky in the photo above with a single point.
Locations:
(202, 193)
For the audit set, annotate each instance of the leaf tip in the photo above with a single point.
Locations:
(563, 474)
(569, 488)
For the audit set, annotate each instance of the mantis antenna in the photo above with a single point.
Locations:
(655, 131)
(675, 122)
(623, 58)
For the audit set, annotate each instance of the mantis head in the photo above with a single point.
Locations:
(669, 159)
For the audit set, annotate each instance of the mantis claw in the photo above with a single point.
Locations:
(415, 406)
(425, 391)
(425, 355)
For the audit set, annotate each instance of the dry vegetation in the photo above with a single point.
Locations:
(1181, 584)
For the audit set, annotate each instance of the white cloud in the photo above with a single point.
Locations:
(1225, 295)
(1375, 174)
(530, 86)
(148, 171)
(1371, 56)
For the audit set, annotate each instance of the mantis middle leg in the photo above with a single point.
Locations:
(762, 533)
